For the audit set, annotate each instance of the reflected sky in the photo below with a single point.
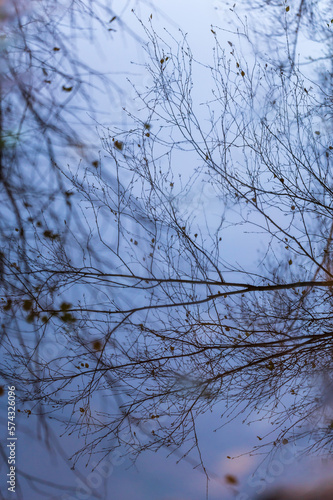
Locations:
(233, 472)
